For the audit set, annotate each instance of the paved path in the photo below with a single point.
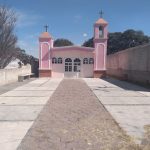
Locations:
(129, 104)
(8, 87)
(74, 119)
(20, 106)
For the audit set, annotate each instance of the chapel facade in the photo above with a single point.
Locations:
(74, 61)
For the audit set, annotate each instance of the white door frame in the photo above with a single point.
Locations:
(72, 73)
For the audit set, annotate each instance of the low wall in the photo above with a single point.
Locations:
(132, 64)
(11, 75)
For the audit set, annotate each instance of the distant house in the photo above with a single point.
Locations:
(13, 64)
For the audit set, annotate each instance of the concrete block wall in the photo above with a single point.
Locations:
(132, 64)
(11, 75)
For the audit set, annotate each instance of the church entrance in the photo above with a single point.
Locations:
(72, 68)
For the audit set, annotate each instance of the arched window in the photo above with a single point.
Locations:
(85, 61)
(91, 61)
(77, 63)
(68, 65)
(54, 60)
(101, 32)
(59, 60)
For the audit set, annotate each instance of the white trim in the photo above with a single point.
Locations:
(46, 43)
(44, 69)
(78, 47)
(49, 58)
(41, 54)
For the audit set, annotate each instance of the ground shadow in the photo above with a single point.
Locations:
(126, 84)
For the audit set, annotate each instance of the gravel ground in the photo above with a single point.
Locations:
(74, 119)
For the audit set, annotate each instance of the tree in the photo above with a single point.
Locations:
(28, 59)
(114, 43)
(118, 41)
(130, 38)
(62, 42)
(23, 57)
(89, 43)
(7, 38)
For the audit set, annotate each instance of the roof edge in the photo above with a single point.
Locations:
(74, 46)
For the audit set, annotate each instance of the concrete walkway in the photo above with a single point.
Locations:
(19, 108)
(129, 104)
(74, 119)
(8, 87)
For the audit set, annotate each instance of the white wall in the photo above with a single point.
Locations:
(58, 70)
(11, 75)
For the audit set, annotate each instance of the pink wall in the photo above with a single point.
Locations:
(100, 44)
(45, 43)
(45, 56)
(96, 32)
(99, 65)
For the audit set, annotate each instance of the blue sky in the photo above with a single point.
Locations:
(74, 19)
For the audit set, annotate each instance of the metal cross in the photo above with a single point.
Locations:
(46, 27)
(101, 14)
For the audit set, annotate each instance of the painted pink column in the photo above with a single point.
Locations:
(100, 44)
(45, 45)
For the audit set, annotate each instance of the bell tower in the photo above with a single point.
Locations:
(45, 45)
(100, 44)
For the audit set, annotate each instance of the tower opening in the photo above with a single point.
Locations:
(101, 32)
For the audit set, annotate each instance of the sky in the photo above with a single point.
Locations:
(74, 19)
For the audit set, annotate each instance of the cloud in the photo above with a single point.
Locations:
(31, 47)
(77, 18)
(33, 36)
(85, 34)
(27, 38)
(27, 19)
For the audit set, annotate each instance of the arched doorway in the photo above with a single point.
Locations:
(77, 64)
(68, 65)
(72, 67)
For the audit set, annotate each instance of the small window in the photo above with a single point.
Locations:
(77, 61)
(54, 60)
(85, 61)
(91, 61)
(59, 60)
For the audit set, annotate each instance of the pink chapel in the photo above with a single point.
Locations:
(74, 61)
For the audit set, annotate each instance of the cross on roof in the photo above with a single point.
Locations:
(46, 28)
(101, 14)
